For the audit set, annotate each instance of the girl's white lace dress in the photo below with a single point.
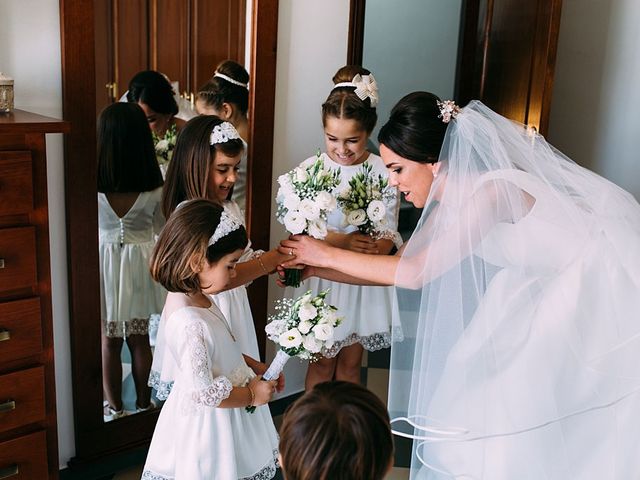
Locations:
(194, 439)
(366, 311)
(128, 294)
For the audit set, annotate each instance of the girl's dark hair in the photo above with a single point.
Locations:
(414, 130)
(126, 157)
(218, 90)
(188, 171)
(342, 102)
(154, 89)
(183, 245)
(338, 430)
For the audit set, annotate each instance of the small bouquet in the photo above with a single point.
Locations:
(304, 199)
(364, 203)
(303, 328)
(164, 147)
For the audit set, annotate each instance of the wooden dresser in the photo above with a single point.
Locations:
(28, 431)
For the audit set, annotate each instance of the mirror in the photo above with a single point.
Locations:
(95, 440)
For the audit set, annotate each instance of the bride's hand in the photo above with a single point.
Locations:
(305, 250)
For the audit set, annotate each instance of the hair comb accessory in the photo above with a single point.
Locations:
(448, 110)
(228, 223)
(230, 80)
(222, 133)
(365, 87)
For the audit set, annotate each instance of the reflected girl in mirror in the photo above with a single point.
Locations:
(153, 92)
(205, 165)
(129, 218)
(226, 95)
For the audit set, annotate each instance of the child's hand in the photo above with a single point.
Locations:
(359, 242)
(262, 390)
(306, 273)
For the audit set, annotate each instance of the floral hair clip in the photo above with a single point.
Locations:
(365, 87)
(448, 110)
(222, 133)
(228, 223)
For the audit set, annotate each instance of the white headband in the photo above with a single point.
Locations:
(222, 133)
(228, 223)
(365, 87)
(230, 80)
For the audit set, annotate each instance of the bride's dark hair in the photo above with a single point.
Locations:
(414, 130)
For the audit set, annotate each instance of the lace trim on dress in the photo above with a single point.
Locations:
(267, 473)
(392, 235)
(136, 326)
(149, 475)
(214, 394)
(163, 389)
(374, 342)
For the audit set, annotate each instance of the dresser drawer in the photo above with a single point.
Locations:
(24, 458)
(17, 259)
(20, 329)
(16, 183)
(21, 398)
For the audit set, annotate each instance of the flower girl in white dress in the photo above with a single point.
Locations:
(204, 431)
(205, 165)
(349, 116)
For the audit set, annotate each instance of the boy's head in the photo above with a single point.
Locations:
(337, 431)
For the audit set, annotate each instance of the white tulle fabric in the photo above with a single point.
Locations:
(519, 298)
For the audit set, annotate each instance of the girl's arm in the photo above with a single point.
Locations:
(250, 270)
(257, 393)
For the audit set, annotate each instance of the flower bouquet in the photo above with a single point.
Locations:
(302, 327)
(304, 199)
(365, 202)
(164, 147)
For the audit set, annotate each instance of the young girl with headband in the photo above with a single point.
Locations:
(204, 431)
(348, 116)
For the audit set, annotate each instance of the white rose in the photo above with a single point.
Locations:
(309, 209)
(376, 210)
(294, 222)
(291, 201)
(312, 344)
(290, 338)
(325, 201)
(274, 329)
(286, 187)
(305, 327)
(323, 331)
(318, 229)
(301, 174)
(162, 146)
(330, 317)
(307, 312)
(357, 217)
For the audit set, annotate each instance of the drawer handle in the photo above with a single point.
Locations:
(7, 406)
(1, 262)
(4, 335)
(9, 472)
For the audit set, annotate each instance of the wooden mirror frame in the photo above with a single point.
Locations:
(95, 439)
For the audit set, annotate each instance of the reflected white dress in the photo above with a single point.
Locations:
(239, 195)
(234, 303)
(194, 439)
(128, 294)
(366, 311)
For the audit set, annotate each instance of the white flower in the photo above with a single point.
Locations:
(162, 146)
(325, 201)
(357, 217)
(294, 222)
(323, 331)
(290, 338)
(291, 201)
(300, 174)
(329, 317)
(309, 209)
(305, 327)
(376, 210)
(312, 344)
(275, 328)
(307, 312)
(286, 186)
(318, 229)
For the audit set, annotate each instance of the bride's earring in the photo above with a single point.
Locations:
(435, 169)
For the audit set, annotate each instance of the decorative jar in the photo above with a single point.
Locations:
(6, 93)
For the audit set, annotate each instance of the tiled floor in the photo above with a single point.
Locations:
(375, 375)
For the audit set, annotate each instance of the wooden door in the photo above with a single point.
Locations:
(507, 57)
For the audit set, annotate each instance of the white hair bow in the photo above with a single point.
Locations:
(366, 87)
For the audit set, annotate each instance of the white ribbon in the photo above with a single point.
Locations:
(365, 87)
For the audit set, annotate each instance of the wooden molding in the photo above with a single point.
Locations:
(356, 32)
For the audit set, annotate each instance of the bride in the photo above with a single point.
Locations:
(518, 294)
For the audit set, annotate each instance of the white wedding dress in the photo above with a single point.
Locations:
(522, 346)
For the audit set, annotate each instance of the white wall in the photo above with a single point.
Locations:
(312, 45)
(595, 114)
(30, 53)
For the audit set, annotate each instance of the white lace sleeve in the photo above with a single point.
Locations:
(208, 391)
